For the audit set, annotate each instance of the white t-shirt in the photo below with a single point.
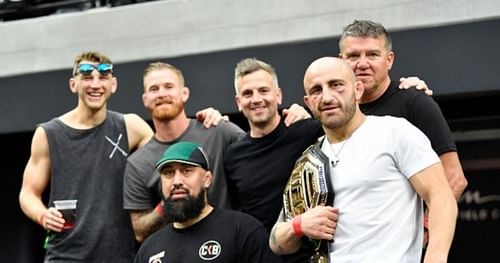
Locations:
(380, 214)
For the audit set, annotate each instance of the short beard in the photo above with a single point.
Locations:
(182, 210)
(166, 115)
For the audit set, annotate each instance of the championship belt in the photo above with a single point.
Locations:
(309, 186)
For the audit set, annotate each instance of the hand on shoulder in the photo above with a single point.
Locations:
(414, 82)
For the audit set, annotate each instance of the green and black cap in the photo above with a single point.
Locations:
(184, 152)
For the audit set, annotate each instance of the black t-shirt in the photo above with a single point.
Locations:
(223, 236)
(258, 169)
(419, 109)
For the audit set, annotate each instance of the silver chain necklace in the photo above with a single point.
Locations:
(336, 159)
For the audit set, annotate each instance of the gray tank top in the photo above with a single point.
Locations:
(88, 165)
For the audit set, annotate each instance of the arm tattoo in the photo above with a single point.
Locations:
(151, 226)
(277, 248)
(145, 223)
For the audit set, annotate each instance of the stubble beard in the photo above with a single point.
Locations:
(347, 114)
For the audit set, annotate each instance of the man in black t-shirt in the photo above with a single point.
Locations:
(259, 165)
(367, 47)
(198, 232)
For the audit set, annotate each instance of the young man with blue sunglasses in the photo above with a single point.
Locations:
(82, 155)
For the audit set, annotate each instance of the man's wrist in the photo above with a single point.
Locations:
(159, 209)
(296, 226)
(41, 218)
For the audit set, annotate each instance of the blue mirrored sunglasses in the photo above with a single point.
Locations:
(87, 68)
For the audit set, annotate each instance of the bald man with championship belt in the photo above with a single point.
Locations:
(309, 186)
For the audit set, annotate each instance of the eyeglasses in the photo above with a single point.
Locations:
(87, 68)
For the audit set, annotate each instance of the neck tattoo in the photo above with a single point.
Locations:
(336, 155)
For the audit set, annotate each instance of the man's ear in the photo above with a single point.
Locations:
(185, 94)
(237, 100)
(359, 89)
(144, 99)
(390, 60)
(208, 179)
(114, 85)
(72, 85)
(306, 101)
(279, 96)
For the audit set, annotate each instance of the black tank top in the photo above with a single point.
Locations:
(88, 165)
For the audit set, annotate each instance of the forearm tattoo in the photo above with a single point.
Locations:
(146, 223)
(274, 243)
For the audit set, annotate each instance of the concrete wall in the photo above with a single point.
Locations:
(172, 28)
